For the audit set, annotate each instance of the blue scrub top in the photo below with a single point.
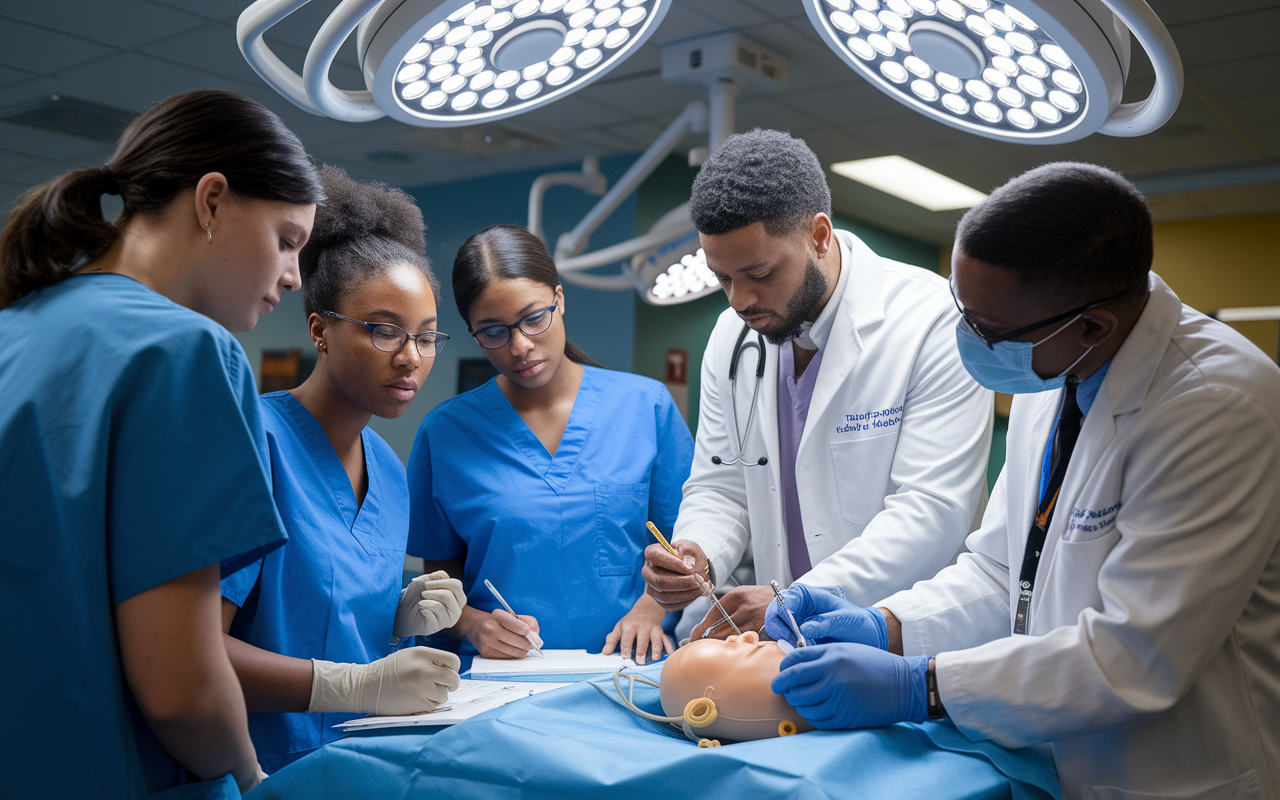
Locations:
(131, 453)
(561, 537)
(331, 592)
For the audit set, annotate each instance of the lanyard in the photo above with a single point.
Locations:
(1064, 441)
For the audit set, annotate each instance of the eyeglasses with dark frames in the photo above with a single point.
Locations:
(491, 337)
(391, 338)
(991, 339)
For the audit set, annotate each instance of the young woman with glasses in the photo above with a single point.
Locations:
(131, 448)
(541, 480)
(310, 626)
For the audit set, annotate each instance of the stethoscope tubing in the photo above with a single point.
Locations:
(739, 346)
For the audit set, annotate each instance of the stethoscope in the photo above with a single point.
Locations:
(738, 347)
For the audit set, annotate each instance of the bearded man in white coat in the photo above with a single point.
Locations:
(1121, 600)
(839, 436)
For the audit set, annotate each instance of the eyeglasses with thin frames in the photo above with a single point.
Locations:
(391, 338)
(991, 340)
(491, 337)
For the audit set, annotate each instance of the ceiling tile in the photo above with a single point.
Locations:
(1229, 38)
(9, 77)
(211, 48)
(573, 112)
(1176, 13)
(10, 161)
(731, 14)
(766, 112)
(209, 9)
(23, 139)
(120, 23)
(1228, 80)
(33, 49)
(683, 23)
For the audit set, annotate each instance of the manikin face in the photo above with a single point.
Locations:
(735, 674)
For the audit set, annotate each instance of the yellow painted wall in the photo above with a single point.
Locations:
(1223, 263)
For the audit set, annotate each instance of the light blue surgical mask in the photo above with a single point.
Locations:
(1006, 366)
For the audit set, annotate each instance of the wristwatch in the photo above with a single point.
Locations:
(932, 700)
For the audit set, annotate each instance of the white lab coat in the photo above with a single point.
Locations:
(1153, 657)
(891, 467)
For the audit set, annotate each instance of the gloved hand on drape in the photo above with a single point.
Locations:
(825, 617)
(408, 681)
(853, 686)
(430, 603)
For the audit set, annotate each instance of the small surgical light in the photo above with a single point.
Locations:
(549, 48)
(1072, 53)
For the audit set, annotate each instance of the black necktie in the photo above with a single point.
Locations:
(1064, 441)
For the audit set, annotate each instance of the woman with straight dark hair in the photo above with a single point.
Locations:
(132, 456)
(542, 479)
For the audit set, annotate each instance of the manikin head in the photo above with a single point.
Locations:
(734, 675)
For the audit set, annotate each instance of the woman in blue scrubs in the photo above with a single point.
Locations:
(311, 625)
(132, 458)
(542, 479)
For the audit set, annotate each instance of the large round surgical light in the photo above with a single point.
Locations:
(1028, 71)
(444, 63)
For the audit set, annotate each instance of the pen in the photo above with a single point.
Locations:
(714, 601)
(533, 642)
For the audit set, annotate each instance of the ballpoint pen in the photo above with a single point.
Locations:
(532, 641)
(705, 585)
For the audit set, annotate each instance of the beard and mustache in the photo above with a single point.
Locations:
(799, 307)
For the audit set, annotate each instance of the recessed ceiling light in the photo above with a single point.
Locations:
(915, 183)
(70, 115)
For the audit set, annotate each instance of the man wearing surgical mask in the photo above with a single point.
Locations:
(1121, 600)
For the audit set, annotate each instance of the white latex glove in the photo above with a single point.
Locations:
(430, 603)
(408, 681)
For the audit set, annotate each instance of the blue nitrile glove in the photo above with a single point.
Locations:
(823, 618)
(845, 685)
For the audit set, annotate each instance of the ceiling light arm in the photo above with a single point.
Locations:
(341, 104)
(1136, 119)
(253, 23)
(723, 95)
(692, 119)
(590, 180)
(659, 235)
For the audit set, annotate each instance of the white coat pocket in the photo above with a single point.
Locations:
(621, 511)
(861, 467)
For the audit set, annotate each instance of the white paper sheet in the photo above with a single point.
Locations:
(472, 697)
(552, 662)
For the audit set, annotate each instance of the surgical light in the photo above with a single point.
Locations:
(913, 182)
(1027, 71)
(446, 63)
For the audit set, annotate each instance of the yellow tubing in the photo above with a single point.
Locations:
(786, 728)
(708, 743)
(700, 712)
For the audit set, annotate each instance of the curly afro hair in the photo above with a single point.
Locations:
(1074, 230)
(762, 176)
(362, 229)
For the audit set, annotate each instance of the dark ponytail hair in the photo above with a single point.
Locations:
(58, 227)
(362, 229)
(505, 252)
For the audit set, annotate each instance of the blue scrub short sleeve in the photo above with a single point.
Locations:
(237, 585)
(190, 484)
(672, 465)
(430, 534)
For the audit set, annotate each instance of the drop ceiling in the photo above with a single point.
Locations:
(1218, 156)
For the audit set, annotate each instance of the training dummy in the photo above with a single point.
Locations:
(717, 690)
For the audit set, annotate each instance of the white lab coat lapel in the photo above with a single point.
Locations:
(861, 305)
(1130, 376)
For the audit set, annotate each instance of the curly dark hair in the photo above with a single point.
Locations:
(362, 229)
(761, 176)
(1069, 229)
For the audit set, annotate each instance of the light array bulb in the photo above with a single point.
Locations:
(466, 63)
(688, 276)
(1030, 71)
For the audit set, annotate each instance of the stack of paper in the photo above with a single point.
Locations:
(469, 699)
(551, 662)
